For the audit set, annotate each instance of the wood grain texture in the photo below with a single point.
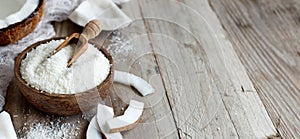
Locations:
(243, 114)
(202, 88)
(265, 35)
(135, 55)
(196, 104)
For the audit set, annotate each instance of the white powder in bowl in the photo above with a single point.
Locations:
(52, 74)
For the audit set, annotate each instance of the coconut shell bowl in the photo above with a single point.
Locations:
(14, 32)
(62, 104)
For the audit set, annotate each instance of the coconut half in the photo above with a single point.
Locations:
(13, 11)
(18, 18)
(7, 8)
(131, 80)
(127, 121)
(105, 113)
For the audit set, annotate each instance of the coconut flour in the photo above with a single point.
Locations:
(52, 74)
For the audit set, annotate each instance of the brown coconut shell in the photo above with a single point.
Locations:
(62, 104)
(17, 31)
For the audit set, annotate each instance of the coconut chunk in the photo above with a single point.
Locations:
(93, 131)
(7, 130)
(127, 121)
(105, 113)
(131, 80)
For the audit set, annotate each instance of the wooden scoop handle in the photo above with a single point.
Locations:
(91, 30)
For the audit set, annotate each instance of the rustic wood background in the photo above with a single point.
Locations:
(221, 69)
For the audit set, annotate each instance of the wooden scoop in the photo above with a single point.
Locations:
(91, 30)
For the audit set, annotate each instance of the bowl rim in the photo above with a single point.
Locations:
(23, 54)
(27, 19)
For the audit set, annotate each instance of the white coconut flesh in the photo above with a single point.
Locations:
(93, 131)
(128, 120)
(14, 11)
(105, 113)
(131, 80)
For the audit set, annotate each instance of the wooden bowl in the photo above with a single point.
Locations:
(62, 104)
(17, 31)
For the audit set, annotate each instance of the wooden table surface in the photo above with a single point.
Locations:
(220, 68)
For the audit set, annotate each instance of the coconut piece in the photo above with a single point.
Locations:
(7, 130)
(14, 11)
(131, 80)
(105, 113)
(16, 25)
(93, 131)
(105, 11)
(127, 121)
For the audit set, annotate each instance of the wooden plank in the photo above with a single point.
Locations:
(132, 52)
(141, 62)
(265, 36)
(194, 71)
(195, 101)
(241, 114)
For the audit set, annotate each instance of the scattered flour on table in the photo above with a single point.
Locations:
(119, 46)
(55, 128)
(52, 74)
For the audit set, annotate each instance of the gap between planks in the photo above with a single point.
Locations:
(264, 35)
(251, 112)
(148, 29)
